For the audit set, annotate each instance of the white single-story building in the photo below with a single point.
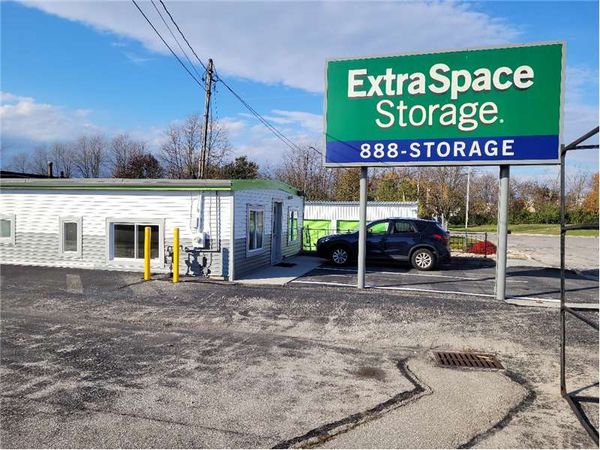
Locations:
(235, 225)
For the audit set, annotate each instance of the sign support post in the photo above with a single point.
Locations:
(495, 106)
(502, 232)
(362, 229)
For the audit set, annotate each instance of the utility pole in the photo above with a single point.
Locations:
(203, 149)
(305, 173)
(467, 208)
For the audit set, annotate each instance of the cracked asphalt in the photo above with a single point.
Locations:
(98, 359)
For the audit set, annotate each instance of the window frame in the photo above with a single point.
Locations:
(413, 229)
(293, 209)
(261, 209)
(390, 224)
(134, 262)
(61, 236)
(11, 240)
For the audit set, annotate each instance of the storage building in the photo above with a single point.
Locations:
(322, 218)
(236, 226)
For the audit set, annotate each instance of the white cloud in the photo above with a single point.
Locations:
(26, 122)
(23, 118)
(250, 137)
(288, 42)
(581, 102)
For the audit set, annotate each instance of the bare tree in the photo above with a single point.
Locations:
(123, 150)
(484, 198)
(578, 183)
(445, 189)
(219, 149)
(89, 156)
(303, 169)
(180, 153)
(20, 162)
(62, 155)
(39, 160)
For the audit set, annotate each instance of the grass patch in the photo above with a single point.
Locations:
(529, 228)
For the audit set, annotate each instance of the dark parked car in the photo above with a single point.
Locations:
(422, 242)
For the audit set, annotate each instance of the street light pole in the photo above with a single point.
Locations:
(467, 205)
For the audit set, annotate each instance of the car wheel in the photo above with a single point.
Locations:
(339, 256)
(423, 259)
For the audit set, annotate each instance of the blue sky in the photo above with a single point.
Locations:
(75, 67)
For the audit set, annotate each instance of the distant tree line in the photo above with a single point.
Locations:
(94, 156)
(440, 191)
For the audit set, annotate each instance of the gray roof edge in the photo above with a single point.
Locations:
(113, 182)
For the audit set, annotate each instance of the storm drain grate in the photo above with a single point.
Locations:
(467, 359)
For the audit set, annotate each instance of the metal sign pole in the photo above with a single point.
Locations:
(502, 233)
(362, 229)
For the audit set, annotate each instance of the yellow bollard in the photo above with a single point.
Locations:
(147, 231)
(176, 255)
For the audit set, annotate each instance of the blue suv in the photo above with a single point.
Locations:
(422, 242)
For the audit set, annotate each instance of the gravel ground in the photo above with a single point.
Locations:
(99, 359)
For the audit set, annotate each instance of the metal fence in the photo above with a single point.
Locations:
(460, 241)
(469, 242)
(310, 236)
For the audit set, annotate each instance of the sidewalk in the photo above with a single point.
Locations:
(277, 275)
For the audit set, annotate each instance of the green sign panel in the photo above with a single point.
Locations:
(488, 106)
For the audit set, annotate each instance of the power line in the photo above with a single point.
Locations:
(176, 40)
(264, 121)
(255, 113)
(181, 33)
(168, 46)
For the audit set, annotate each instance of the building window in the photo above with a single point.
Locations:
(7, 229)
(69, 243)
(127, 240)
(256, 219)
(292, 225)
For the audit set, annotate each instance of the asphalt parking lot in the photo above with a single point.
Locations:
(474, 276)
(101, 359)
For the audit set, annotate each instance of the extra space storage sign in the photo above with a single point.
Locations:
(475, 107)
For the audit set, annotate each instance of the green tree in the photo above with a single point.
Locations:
(346, 185)
(143, 165)
(240, 168)
(590, 201)
(395, 186)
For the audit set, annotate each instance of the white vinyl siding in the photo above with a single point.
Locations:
(246, 261)
(7, 229)
(335, 211)
(70, 237)
(38, 211)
